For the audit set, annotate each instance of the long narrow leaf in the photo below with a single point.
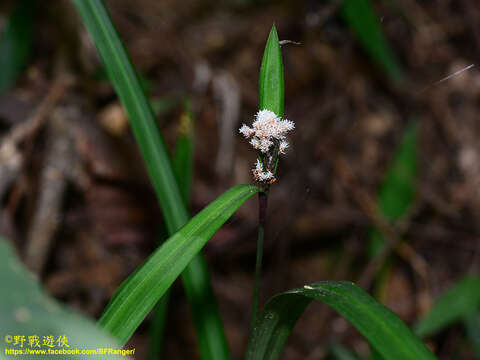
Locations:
(460, 301)
(183, 168)
(271, 89)
(127, 85)
(139, 293)
(361, 17)
(397, 192)
(374, 355)
(210, 333)
(157, 329)
(381, 327)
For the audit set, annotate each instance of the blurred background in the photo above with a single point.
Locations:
(380, 184)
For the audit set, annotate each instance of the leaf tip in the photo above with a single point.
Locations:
(273, 32)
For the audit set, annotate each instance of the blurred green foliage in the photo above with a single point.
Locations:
(25, 310)
(461, 301)
(397, 192)
(16, 43)
(364, 22)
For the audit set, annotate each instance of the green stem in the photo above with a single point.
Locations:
(262, 215)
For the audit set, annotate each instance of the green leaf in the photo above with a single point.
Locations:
(374, 355)
(139, 293)
(127, 85)
(210, 333)
(183, 169)
(380, 326)
(361, 17)
(158, 326)
(26, 310)
(271, 87)
(16, 44)
(460, 301)
(397, 192)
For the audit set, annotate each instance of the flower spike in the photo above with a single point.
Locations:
(267, 135)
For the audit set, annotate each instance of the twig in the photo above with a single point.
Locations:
(60, 160)
(368, 205)
(420, 266)
(26, 129)
(11, 159)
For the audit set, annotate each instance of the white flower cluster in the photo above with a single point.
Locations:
(260, 174)
(267, 129)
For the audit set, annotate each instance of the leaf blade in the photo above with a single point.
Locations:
(361, 17)
(127, 85)
(139, 293)
(271, 83)
(183, 169)
(213, 343)
(461, 300)
(397, 192)
(381, 327)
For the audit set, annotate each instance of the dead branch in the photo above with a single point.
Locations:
(60, 161)
(11, 159)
